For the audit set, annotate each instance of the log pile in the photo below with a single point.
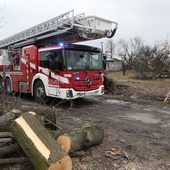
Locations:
(45, 149)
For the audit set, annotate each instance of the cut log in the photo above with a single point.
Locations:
(77, 139)
(5, 134)
(26, 108)
(13, 160)
(5, 140)
(39, 145)
(8, 149)
(6, 119)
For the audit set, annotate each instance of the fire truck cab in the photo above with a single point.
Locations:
(43, 66)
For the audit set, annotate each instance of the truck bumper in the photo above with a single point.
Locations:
(72, 94)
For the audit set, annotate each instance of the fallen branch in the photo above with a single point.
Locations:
(167, 96)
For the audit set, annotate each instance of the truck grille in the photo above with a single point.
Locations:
(82, 85)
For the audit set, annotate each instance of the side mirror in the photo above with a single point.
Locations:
(104, 57)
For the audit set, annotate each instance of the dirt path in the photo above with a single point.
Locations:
(141, 131)
(139, 134)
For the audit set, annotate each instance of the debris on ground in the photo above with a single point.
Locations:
(26, 134)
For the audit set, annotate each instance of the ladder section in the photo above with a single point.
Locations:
(62, 22)
(64, 27)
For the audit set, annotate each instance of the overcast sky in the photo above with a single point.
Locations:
(148, 19)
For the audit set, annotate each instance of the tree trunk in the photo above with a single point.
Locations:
(77, 139)
(38, 144)
(6, 119)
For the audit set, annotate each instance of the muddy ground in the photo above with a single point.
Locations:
(136, 135)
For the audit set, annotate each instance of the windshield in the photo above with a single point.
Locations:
(83, 60)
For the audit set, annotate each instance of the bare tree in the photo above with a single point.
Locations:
(110, 47)
(153, 62)
(3, 99)
(128, 50)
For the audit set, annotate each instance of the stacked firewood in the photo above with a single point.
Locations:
(45, 149)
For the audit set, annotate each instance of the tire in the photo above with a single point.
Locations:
(8, 88)
(39, 93)
(1, 81)
(1, 87)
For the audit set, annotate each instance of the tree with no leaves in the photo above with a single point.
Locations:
(110, 47)
(153, 62)
(128, 50)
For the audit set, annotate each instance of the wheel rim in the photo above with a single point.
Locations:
(40, 93)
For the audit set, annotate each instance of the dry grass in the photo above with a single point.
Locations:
(155, 88)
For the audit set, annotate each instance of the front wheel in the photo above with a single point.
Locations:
(39, 93)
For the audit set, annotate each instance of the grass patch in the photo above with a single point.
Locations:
(154, 89)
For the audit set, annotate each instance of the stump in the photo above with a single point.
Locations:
(80, 138)
(39, 145)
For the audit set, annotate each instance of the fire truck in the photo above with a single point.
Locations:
(46, 61)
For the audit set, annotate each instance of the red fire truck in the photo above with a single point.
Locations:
(46, 61)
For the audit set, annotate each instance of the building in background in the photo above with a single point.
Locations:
(113, 64)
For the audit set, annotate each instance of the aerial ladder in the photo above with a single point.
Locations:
(67, 28)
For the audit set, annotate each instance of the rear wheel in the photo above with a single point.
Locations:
(1, 85)
(39, 93)
(8, 85)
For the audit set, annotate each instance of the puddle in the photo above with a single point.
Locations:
(144, 117)
(165, 112)
(111, 101)
(166, 124)
(144, 113)
(123, 103)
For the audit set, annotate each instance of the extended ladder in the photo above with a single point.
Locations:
(67, 27)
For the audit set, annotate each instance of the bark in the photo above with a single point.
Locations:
(39, 145)
(6, 119)
(77, 139)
